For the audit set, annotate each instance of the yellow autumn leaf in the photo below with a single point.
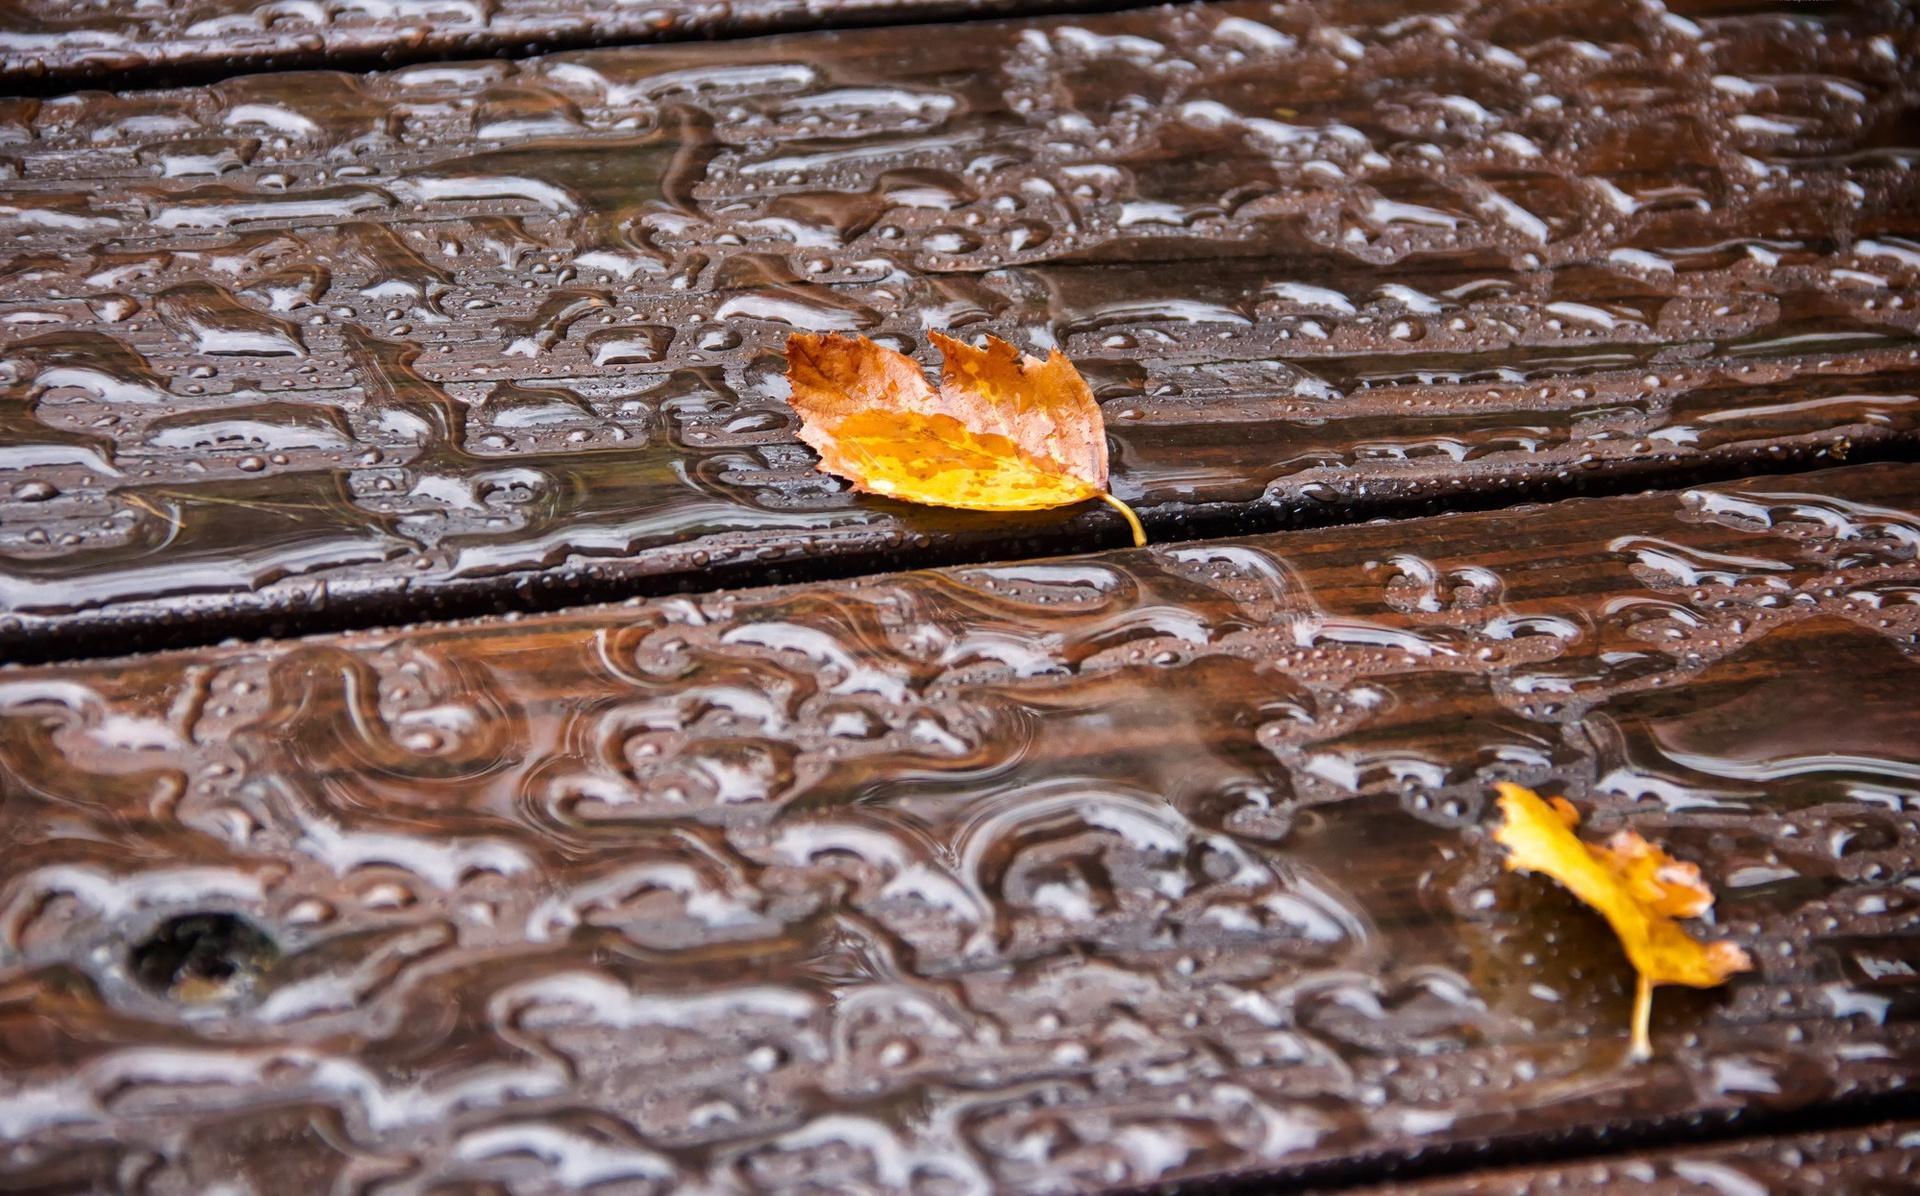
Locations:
(1637, 887)
(1002, 432)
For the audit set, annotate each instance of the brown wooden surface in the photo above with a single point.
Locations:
(1875, 1160)
(1074, 873)
(309, 350)
(52, 43)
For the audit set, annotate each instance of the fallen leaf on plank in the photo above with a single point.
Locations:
(1637, 887)
(1003, 431)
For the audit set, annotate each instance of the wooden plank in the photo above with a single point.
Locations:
(307, 350)
(1883, 1158)
(55, 42)
(1114, 869)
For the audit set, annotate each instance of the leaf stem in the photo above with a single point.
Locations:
(1133, 521)
(1642, 1022)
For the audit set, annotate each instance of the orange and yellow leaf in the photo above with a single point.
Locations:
(1003, 432)
(1638, 888)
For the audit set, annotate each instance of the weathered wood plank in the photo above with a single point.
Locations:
(61, 41)
(1113, 869)
(1882, 1158)
(306, 350)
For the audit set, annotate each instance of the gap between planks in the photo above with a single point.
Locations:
(540, 593)
(1565, 1147)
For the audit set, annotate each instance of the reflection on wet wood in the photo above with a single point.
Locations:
(71, 41)
(302, 348)
(1099, 870)
(1874, 1159)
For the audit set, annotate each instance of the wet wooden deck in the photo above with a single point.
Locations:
(1049, 865)
(298, 351)
(1088, 871)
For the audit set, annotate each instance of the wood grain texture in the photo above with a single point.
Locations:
(1874, 1160)
(302, 350)
(1115, 869)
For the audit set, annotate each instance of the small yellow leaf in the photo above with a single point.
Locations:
(1003, 432)
(1638, 888)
